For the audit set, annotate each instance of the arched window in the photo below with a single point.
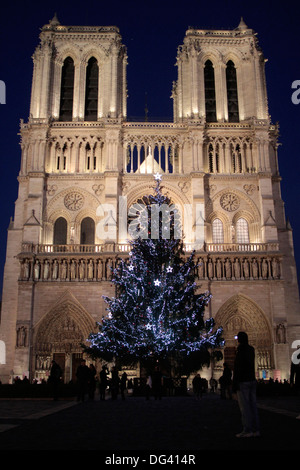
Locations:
(217, 231)
(232, 93)
(210, 93)
(242, 231)
(91, 90)
(60, 232)
(67, 90)
(87, 231)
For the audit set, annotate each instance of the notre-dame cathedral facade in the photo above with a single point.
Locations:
(80, 155)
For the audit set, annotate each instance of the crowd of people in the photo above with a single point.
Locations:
(87, 382)
(231, 382)
(112, 384)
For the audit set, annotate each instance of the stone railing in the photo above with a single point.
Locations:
(240, 247)
(112, 247)
(75, 248)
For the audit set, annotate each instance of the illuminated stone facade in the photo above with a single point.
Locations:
(80, 153)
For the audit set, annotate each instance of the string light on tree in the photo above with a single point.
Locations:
(147, 322)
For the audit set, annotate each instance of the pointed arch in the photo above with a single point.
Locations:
(217, 231)
(91, 90)
(67, 90)
(87, 231)
(60, 231)
(242, 231)
(63, 328)
(232, 92)
(241, 313)
(210, 92)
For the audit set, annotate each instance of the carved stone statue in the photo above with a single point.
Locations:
(22, 337)
(210, 269)
(237, 269)
(280, 333)
(254, 269)
(46, 269)
(55, 269)
(90, 270)
(81, 270)
(228, 269)
(73, 270)
(63, 270)
(99, 270)
(246, 269)
(26, 269)
(37, 270)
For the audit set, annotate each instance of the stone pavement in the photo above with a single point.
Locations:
(172, 424)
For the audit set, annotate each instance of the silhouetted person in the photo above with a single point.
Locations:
(157, 383)
(92, 382)
(83, 375)
(114, 383)
(197, 386)
(123, 385)
(54, 378)
(103, 382)
(226, 382)
(244, 384)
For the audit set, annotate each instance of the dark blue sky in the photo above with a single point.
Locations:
(152, 31)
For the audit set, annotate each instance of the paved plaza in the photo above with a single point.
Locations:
(172, 424)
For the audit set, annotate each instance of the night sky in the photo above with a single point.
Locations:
(151, 31)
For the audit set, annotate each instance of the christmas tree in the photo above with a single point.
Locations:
(157, 313)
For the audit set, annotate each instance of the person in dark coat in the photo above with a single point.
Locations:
(83, 376)
(114, 384)
(54, 378)
(92, 382)
(123, 383)
(157, 383)
(103, 382)
(226, 382)
(244, 384)
(197, 386)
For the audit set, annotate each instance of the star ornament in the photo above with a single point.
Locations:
(157, 282)
(157, 176)
(169, 269)
(131, 268)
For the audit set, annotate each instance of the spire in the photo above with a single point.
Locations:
(54, 21)
(242, 26)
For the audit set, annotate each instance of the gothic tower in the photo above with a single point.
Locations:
(84, 165)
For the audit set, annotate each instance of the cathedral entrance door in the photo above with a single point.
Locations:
(76, 359)
(60, 359)
(229, 356)
(240, 313)
(60, 334)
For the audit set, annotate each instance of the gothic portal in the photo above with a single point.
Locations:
(83, 162)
